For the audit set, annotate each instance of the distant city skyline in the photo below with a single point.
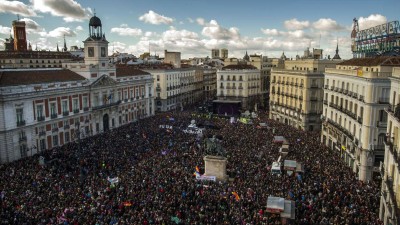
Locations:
(195, 27)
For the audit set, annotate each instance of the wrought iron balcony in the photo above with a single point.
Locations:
(325, 102)
(361, 98)
(53, 116)
(383, 101)
(107, 105)
(326, 86)
(55, 129)
(314, 86)
(392, 193)
(20, 123)
(65, 113)
(22, 139)
(381, 124)
(66, 126)
(359, 119)
(41, 118)
(76, 110)
(313, 98)
(85, 109)
(42, 133)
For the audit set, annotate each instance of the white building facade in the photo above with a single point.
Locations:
(389, 211)
(356, 94)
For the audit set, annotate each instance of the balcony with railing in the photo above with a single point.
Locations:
(66, 126)
(20, 123)
(383, 100)
(381, 124)
(41, 118)
(53, 116)
(360, 120)
(389, 184)
(55, 129)
(361, 98)
(314, 86)
(325, 102)
(42, 133)
(313, 98)
(354, 95)
(108, 105)
(22, 138)
(394, 111)
(65, 113)
(326, 86)
(76, 111)
(85, 109)
(365, 74)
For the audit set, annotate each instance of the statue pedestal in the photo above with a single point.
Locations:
(215, 166)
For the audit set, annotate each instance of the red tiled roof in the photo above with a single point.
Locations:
(373, 61)
(239, 67)
(130, 71)
(34, 55)
(25, 77)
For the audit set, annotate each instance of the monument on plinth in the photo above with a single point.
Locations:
(215, 159)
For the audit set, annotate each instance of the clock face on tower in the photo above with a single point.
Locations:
(90, 51)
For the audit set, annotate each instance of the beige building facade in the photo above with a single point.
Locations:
(173, 58)
(356, 95)
(389, 211)
(177, 88)
(210, 84)
(296, 93)
(239, 83)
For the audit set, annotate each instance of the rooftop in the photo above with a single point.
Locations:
(34, 55)
(14, 77)
(130, 71)
(373, 61)
(239, 67)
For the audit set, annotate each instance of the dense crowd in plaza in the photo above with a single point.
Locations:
(156, 185)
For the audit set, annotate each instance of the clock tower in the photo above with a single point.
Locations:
(96, 45)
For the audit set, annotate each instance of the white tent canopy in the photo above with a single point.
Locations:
(290, 164)
(289, 210)
(275, 204)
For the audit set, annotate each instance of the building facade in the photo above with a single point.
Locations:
(239, 83)
(44, 108)
(210, 84)
(173, 58)
(177, 88)
(356, 95)
(296, 93)
(389, 211)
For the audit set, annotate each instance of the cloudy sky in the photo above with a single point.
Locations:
(194, 27)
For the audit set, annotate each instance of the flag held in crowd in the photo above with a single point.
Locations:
(237, 197)
(113, 180)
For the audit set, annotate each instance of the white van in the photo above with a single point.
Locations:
(276, 168)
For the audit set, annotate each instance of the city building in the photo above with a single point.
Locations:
(176, 88)
(210, 84)
(240, 83)
(214, 53)
(389, 211)
(18, 54)
(356, 94)
(47, 107)
(173, 58)
(296, 92)
(224, 53)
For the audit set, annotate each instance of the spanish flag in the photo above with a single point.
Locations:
(236, 195)
(197, 173)
(127, 204)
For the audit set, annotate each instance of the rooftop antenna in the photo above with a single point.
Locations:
(18, 17)
(319, 42)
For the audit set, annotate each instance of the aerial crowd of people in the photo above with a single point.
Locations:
(143, 173)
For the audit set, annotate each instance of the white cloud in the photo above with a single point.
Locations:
(294, 24)
(272, 32)
(126, 31)
(69, 9)
(32, 26)
(200, 21)
(215, 31)
(190, 20)
(79, 28)
(5, 30)
(155, 18)
(327, 24)
(175, 35)
(16, 7)
(60, 32)
(371, 21)
(124, 25)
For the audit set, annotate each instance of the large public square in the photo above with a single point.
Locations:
(155, 165)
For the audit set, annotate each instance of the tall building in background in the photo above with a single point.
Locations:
(214, 53)
(173, 58)
(224, 53)
(20, 43)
